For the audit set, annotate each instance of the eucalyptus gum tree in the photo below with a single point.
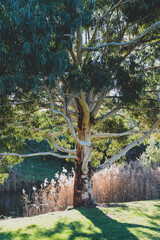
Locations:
(85, 60)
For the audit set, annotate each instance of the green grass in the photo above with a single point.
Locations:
(127, 221)
(34, 169)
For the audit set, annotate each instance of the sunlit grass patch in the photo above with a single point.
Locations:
(127, 221)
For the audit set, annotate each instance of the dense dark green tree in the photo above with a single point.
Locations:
(86, 60)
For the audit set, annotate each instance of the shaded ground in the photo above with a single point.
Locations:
(127, 221)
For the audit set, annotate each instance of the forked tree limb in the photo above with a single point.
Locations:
(152, 27)
(61, 149)
(69, 111)
(85, 108)
(98, 104)
(107, 115)
(102, 17)
(127, 148)
(98, 24)
(96, 108)
(67, 118)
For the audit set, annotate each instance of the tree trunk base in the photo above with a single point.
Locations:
(83, 188)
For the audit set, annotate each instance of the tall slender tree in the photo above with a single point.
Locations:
(85, 60)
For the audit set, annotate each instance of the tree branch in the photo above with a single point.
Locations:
(73, 56)
(79, 45)
(96, 108)
(157, 24)
(107, 115)
(91, 99)
(103, 16)
(38, 154)
(157, 93)
(69, 111)
(103, 135)
(141, 109)
(60, 89)
(41, 129)
(127, 148)
(62, 149)
(107, 34)
(98, 104)
(152, 68)
(17, 103)
(72, 102)
(67, 118)
(87, 158)
(17, 123)
(98, 24)
(110, 10)
(85, 108)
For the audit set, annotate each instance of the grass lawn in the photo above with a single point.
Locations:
(34, 169)
(123, 221)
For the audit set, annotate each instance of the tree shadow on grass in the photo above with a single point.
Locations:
(13, 235)
(157, 205)
(95, 226)
(112, 229)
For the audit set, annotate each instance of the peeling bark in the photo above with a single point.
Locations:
(83, 185)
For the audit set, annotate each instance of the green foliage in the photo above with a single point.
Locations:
(143, 7)
(151, 156)
(108, 147)
(129, 86)
(3, 176)
(33, 168)
(36, 39)
(97, 74)
(153, 151)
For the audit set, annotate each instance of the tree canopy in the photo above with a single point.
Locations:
(85, 62)
(38, 37)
